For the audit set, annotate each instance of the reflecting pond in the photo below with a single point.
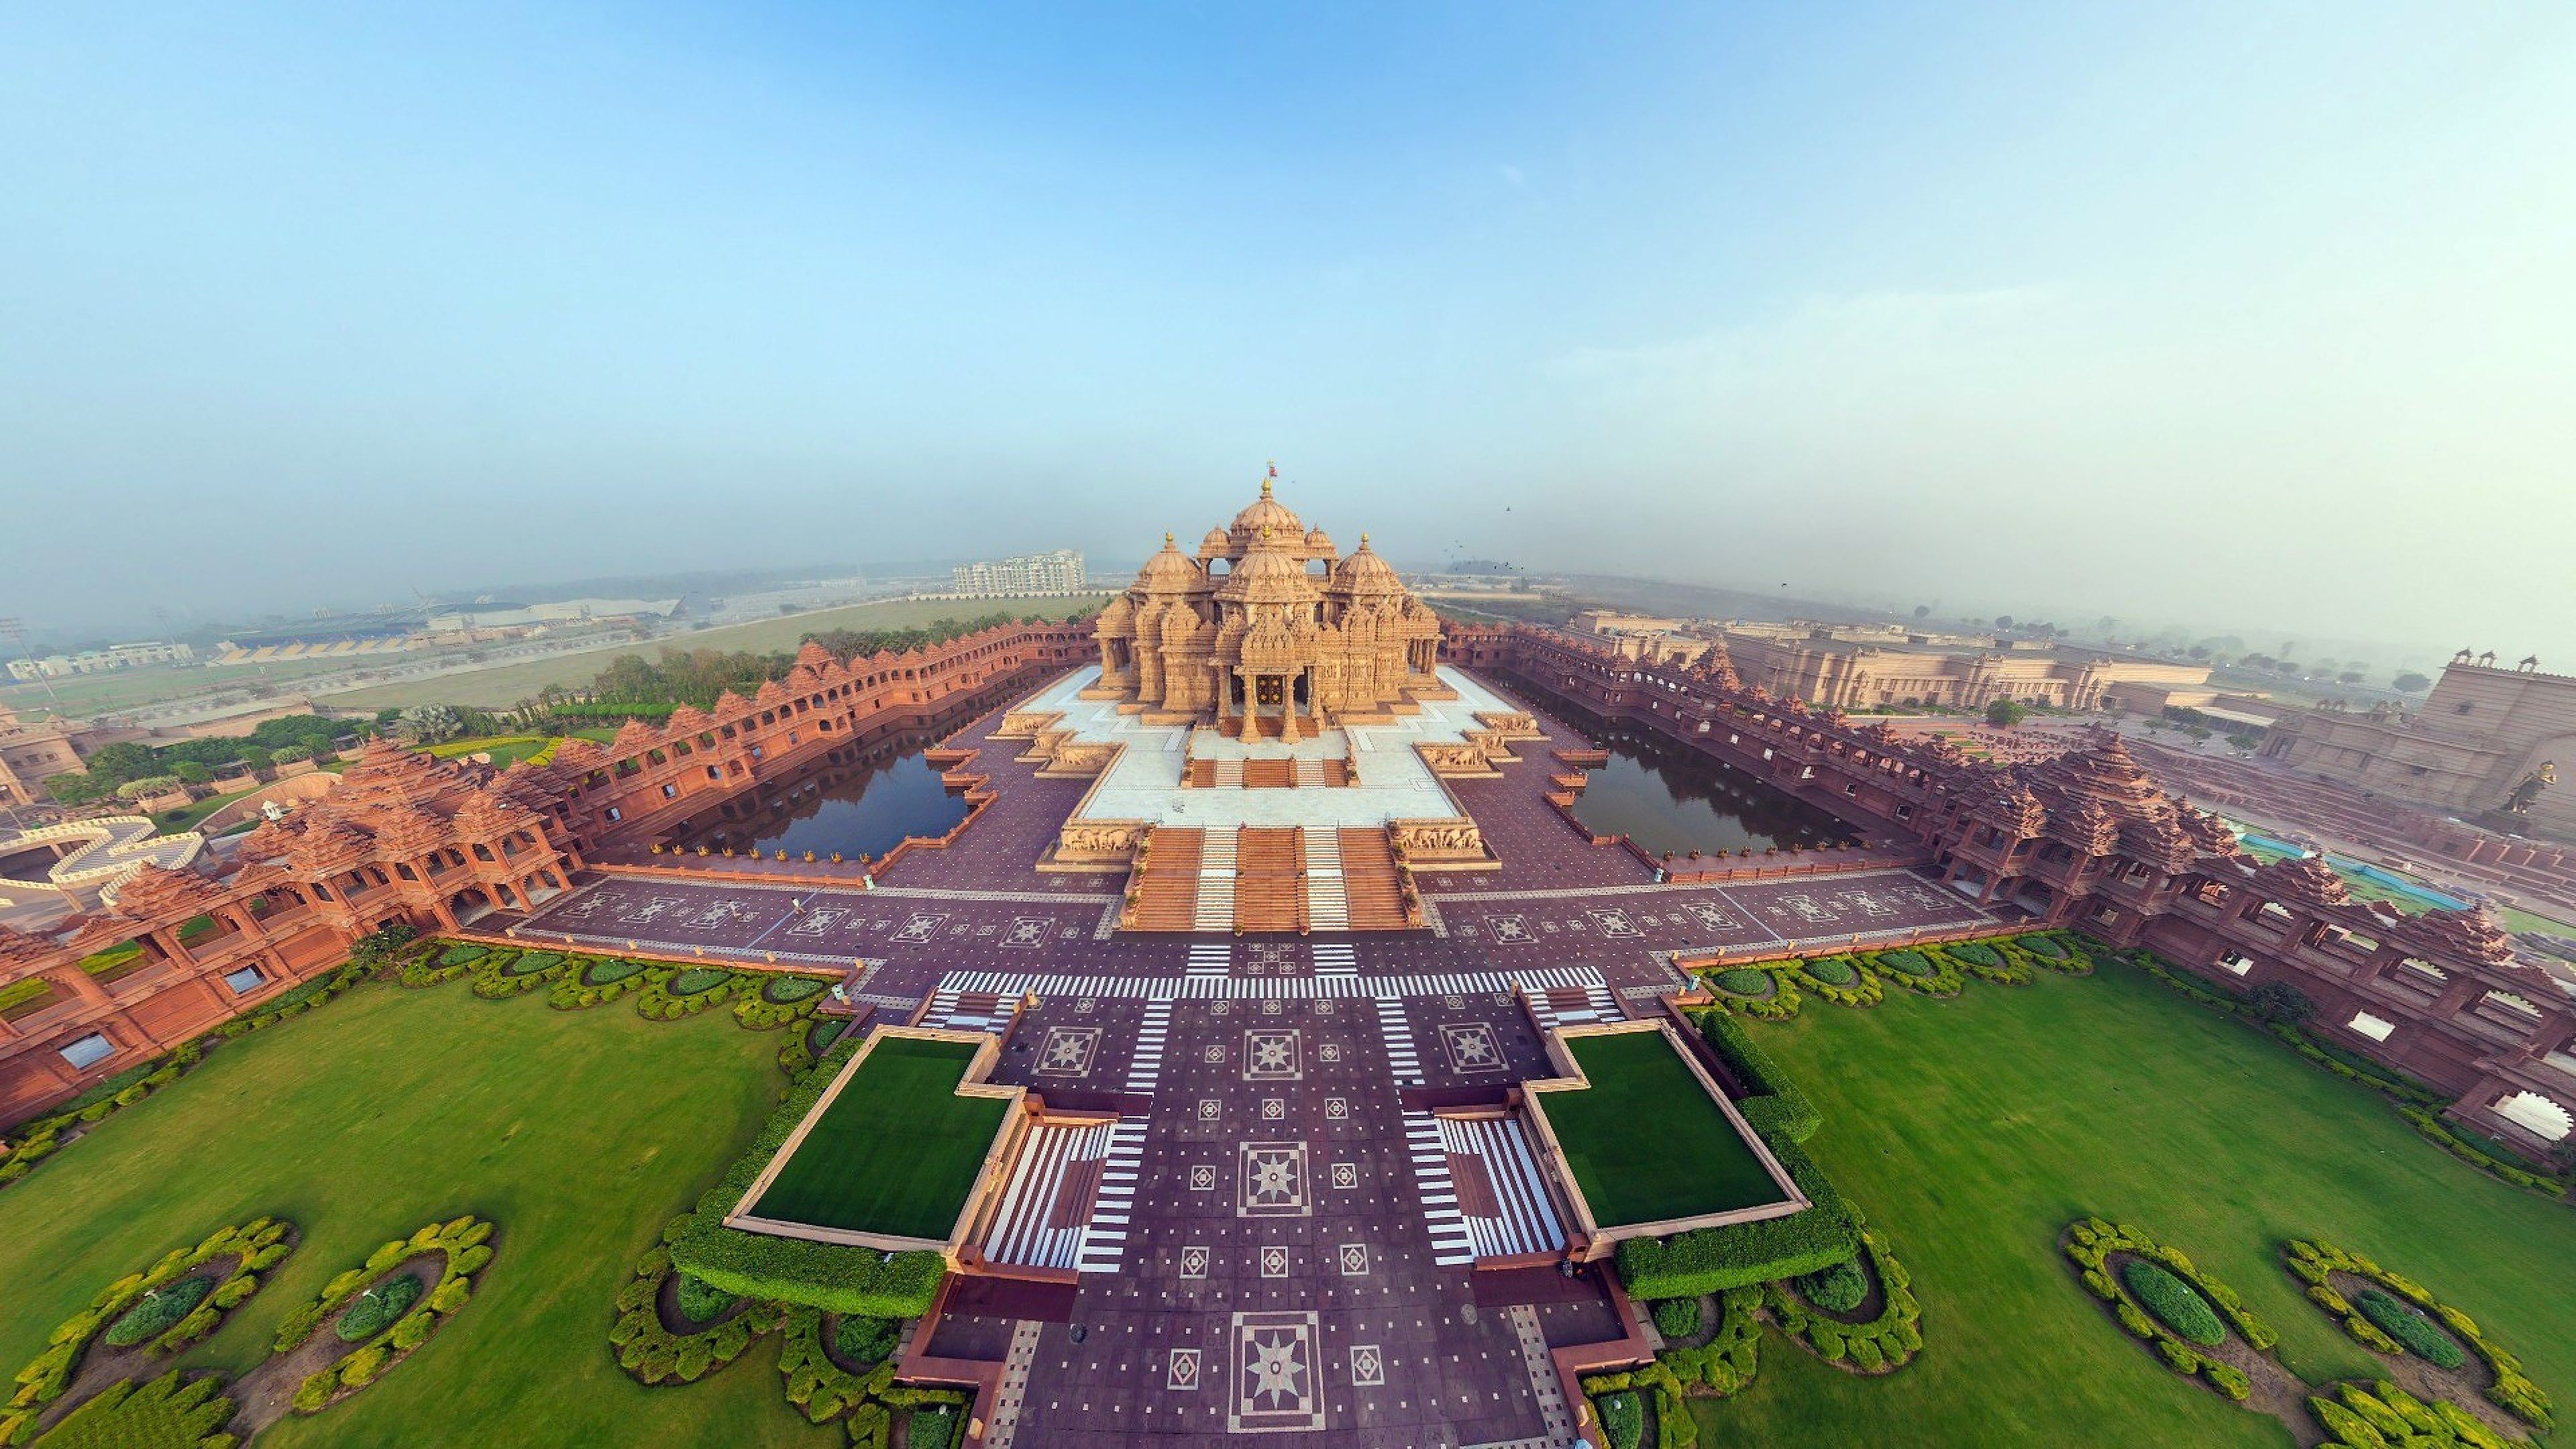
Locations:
(862, 804)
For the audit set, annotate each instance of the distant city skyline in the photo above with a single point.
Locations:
(2196, 314)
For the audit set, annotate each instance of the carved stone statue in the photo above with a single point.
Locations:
(2527, 794)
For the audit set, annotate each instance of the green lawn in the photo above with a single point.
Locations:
(1644, 1140)
(504, 685)
(1970, 1131)
(579, 1133)
(896, 1152)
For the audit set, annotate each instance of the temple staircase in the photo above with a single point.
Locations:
(1167, 885)
(1328, 906)
(1311, 773)
(1225, 773)
(1372, 891)
(1214, 909)
(1267, 893)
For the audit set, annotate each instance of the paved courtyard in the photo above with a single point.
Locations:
(1274, 1234)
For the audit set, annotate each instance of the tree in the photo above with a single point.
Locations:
(2243, 740)
(1923, 611)
(2279, 1001)
(2005, 713)
(2349, 676)
(2410, 682)
(2199, 651)
(192, 772)
(2003, 621)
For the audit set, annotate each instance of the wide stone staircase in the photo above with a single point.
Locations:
(1328, 907)
(1267, 892)
(1372, 891)
(1215, 911)
(1167, 884)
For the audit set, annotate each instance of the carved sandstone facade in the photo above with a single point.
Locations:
(1266, 630)
(2088, 840)
(437, 845)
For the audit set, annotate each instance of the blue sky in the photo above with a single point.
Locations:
(2065, 310)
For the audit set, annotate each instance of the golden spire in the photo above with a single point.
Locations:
(1167, 538)
(1265, 487)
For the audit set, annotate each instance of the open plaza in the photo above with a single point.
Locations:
(1253, 1038)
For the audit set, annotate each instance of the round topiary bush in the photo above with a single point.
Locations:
(610, 972)
(2399, 1320)
(1743, 981)
(1677, 1317)
(375, 1310)
(697, 979)
(159, 1311)
(460, 955)
(787, 990)
(2048, 946)
(701, 1302)
(2174, 1301)
(1978, 953)
(1842, 1288)
(1905, 962)
(1834, 971)
(533, 962)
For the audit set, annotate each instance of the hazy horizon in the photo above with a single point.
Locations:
(2242, 319)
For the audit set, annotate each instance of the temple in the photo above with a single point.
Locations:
(1267, 632)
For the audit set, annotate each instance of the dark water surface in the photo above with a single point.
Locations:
(864, 804)
(1668, 798)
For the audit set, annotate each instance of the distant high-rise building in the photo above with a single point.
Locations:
(1059, 572)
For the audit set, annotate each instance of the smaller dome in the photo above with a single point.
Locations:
(1319, 542)
(1364, 572)
(1169, 571)
(1216, 542)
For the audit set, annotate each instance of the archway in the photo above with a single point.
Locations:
(2537, 1115)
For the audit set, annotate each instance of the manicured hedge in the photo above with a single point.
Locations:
(2411, 1329)
(1880, 1344)
(2384, 1415)
(785, 990)
(697, 979)
(653, 1354)
(865, 1340)
(2175, 1302)
(825, 1276)
(2090, 1242)
(158, 1311)
(1906, 962)
(1708, 1260)
(1772, 1102)
(166, 1413)
(700, 1302)
(610, 972)
(1833, 971)
(463, 954)
(255, 1246)
(1841, 1288)
(1743, 981)
(464, 1247)
(376, 1309)
(2512, 1390)
(1623, 1418)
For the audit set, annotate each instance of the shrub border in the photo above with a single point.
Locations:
(2310, 1261)
(2089, 1243)
(260, 1244)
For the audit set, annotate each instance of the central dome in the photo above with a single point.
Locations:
(1284, 525)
